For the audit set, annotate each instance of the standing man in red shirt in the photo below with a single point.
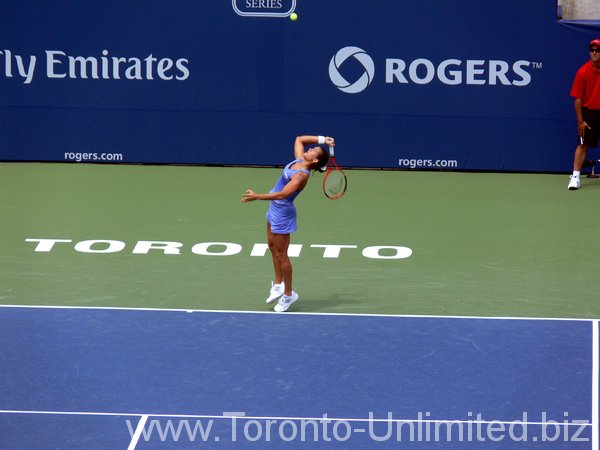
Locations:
(586, 92)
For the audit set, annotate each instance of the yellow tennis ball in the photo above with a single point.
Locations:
(294, 16)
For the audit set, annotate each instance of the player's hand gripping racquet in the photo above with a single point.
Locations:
(335, 182)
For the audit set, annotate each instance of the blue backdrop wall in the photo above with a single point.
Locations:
(461, 84)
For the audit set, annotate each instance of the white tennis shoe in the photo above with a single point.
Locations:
(276, 292)
(285, 302)
(574, 183)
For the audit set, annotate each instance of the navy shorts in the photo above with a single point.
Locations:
(591, 135)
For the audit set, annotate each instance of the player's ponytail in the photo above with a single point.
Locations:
(322, 160)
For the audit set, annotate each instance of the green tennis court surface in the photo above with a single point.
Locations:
(178, 237)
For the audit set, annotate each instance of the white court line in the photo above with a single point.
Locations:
(138, 433)
(228, 416)
(224, 311)
(595, 380)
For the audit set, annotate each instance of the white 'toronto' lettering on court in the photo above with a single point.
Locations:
(102, 246)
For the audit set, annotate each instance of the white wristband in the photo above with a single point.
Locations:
(321, 139)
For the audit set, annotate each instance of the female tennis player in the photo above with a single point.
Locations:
(281, 216)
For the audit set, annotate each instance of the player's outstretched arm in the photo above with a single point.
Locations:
(297, 182)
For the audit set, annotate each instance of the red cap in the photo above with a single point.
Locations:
(595, 42)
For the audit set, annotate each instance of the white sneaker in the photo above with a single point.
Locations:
(285, 302)
(574, 183)
(276, 292)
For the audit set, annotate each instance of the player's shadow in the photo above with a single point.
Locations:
(330, 302)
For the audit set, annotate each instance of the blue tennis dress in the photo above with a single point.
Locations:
(282, 213)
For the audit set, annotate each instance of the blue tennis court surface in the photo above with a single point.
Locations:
(86, 378)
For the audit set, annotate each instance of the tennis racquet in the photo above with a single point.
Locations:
(335, 182)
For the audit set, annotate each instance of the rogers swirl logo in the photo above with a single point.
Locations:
(365, 79)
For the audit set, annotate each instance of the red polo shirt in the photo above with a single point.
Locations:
(587, 86)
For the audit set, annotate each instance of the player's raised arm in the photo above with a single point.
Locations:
(302, 141)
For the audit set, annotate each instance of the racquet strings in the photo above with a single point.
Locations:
(335, 183)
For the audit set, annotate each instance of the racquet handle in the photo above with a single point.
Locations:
(330, 151)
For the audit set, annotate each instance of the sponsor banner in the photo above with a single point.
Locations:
(263, 8)
(235, 82)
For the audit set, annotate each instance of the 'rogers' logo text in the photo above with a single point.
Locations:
(420, 71)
